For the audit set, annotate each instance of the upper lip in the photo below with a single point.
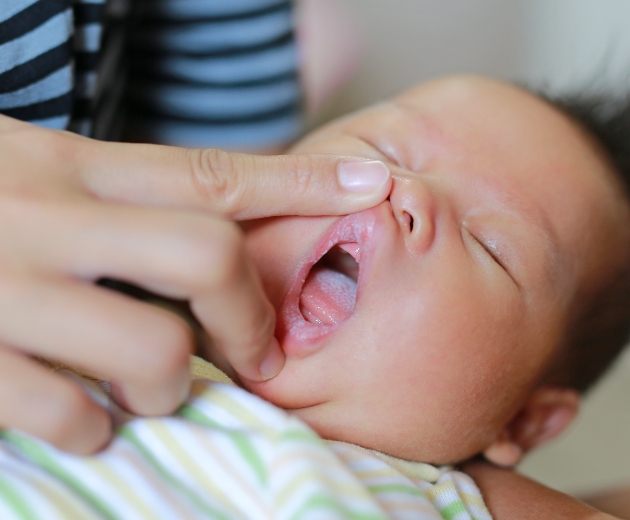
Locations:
(353, 229)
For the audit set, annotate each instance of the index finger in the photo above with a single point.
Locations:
(236, 185)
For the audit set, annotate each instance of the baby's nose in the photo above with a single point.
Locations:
(414, 208)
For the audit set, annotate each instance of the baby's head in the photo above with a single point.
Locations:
(506, 228)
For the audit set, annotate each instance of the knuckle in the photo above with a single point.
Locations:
(54, 147)
(60, 146)
(215, 175)
(35, 210)
(230, 264)
(217, 262)
(301, 176)
(171, 347)
(65, 414)
(26, 196)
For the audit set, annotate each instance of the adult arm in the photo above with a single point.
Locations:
(73, 210)
(615, 501)
(511, 495)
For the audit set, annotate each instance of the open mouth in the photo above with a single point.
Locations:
(327, 289)
(329, 293)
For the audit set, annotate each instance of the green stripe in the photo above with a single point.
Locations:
(238, 410)
(452, 510)
(190, 412)
(240, 440)
(208, 510)
(36, 453)
(12, 499)
(327, 503)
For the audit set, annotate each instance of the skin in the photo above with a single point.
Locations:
(614, 501)
(514, 215)
(162, 218)
(510, 495)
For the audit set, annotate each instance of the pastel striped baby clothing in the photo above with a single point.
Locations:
(225, 454)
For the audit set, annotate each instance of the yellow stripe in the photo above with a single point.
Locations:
(59, 500)
(151, 477)
(409, 469)
(107, 474)
(190, 467)
(202, 369)
(237, 410)
(399, 505)
(228, 464)
(475, 500)
(316, 455)
(385, 472)
(338, 478)
(467, 498)
(200, 473)
(336, 488)
(435, 491)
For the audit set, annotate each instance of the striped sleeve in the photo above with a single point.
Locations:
(36, 75)
(49, 55)
(89, 18)
(214, 73)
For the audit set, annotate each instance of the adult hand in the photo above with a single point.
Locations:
(73, 210)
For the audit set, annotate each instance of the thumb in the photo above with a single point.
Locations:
(236, 185)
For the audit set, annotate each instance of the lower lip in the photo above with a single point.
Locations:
(298, 336)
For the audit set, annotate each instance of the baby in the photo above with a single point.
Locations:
(463, 316)
(492, 286)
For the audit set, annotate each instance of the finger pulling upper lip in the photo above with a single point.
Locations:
(354, 235)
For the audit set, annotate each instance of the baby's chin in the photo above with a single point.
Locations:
(319, 415)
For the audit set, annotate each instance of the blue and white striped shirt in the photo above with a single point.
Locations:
(191, 72)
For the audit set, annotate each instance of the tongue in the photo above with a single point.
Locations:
(328, 297)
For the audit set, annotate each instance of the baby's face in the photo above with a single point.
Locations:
(500, 212)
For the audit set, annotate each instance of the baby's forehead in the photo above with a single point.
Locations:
(470, 116)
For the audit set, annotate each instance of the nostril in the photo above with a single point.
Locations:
(408, 220)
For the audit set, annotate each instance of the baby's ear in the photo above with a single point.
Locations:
(546, 414)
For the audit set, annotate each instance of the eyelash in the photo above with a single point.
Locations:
(495, 257)
(490, 252)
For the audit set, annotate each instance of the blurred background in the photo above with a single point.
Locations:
(559, 44)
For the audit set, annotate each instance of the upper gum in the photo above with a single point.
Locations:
(352, 248)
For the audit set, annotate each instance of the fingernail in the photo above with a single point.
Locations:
(273, 363)
(362, 176)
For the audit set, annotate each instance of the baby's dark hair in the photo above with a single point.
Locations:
(601, 327)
